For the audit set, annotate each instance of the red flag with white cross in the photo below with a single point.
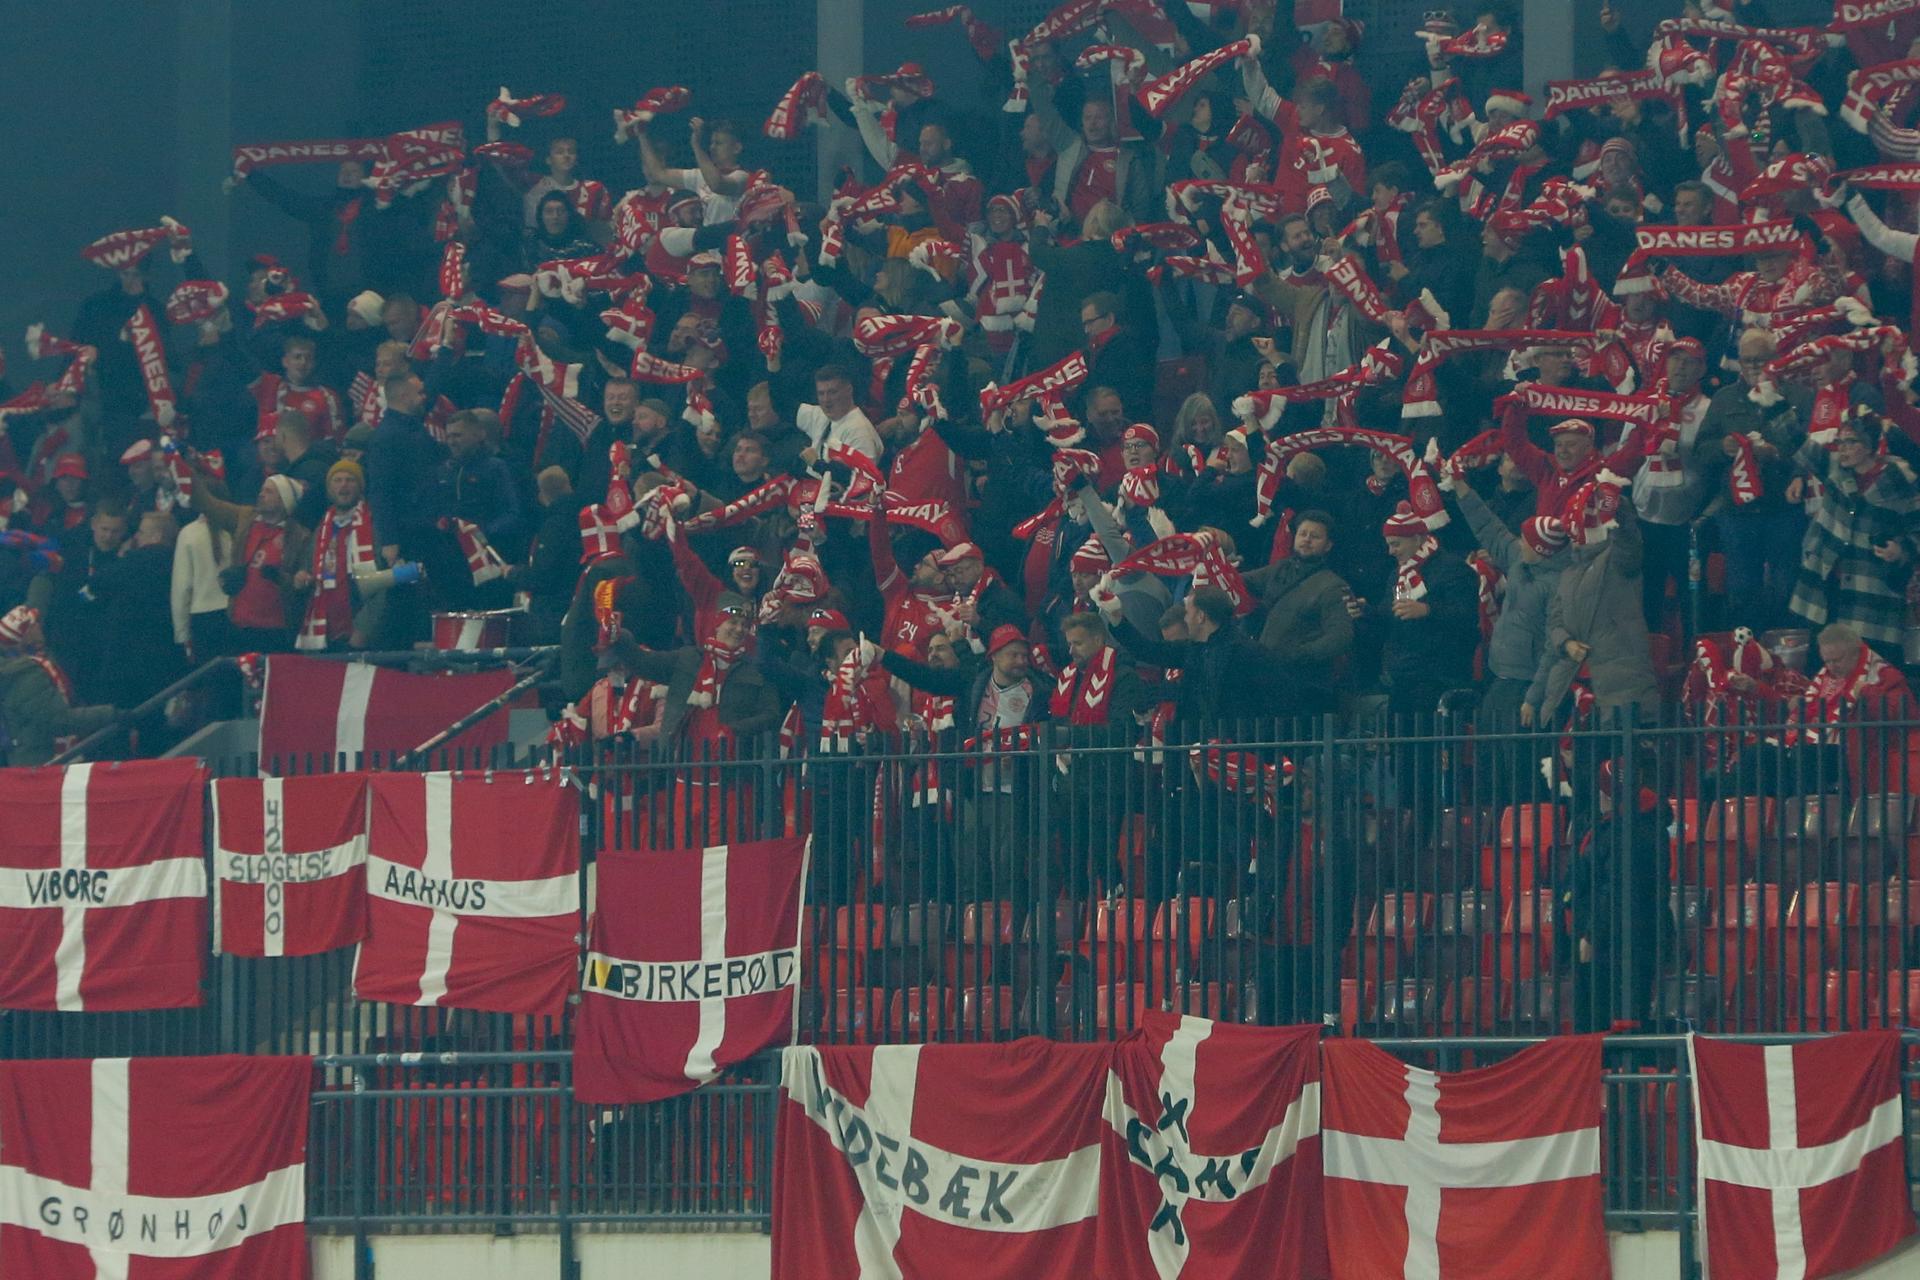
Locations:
(154, 1168)
(1490, 1172)
(1801, 1158)
(940, 1161)
(473, 892)
(103, 886)
(693, 963)
(290, 859)
(1213, 1159)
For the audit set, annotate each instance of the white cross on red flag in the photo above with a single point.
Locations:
(940, 1161)
(154, 1168)
(103, 886)
(320, 710)
(693, 961)
(1489, 1172)
(473, 895)
(1214, 1158)
(290, 857)
(1802, 1164)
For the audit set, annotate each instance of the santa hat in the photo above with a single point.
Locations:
(1403, 523)
(1636, 277)
(1511, 101)
(1571, 427)
(289, 490)
(1090, 557)
(196, 300)
(1003, 635)
(1545, 534)
(1062, 432)
(1141, 433)
(955, 554)
(367, 305)
(142, 448)
(14, 626)
(1011, 205)
(70, 464)
(1688, 347)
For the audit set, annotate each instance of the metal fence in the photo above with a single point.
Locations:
(1434, 888)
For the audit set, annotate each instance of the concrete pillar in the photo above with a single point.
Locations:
(841, 46)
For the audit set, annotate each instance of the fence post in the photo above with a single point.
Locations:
(563, 1207)
(1044, 913)
(364, 1172)
(1685, 1192)
(1330, 928)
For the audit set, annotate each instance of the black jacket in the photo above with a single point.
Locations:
(1224, 677)
(403, 478)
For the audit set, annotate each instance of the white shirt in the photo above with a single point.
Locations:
(195, 586)
(716, 208)
(850, 432)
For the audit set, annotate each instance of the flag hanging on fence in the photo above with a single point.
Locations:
(693, 965)
(1214, 1165)
(103, 886)
(1801, 1158)
(290, 855)
(325, 708)
(473, 893)
(1494, 1171)
(148, 1168)
(938, 1161)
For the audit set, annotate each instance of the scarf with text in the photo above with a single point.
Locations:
(342, 546)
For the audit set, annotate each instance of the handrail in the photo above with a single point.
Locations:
(141, 711)
(428, 656)
(540, 668)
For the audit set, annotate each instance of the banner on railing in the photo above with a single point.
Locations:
(1494, 1171)
(473, 891)
(319, 708)
(290, 858)
(103, 886)
(693, 965)
(154, 1167)
(1802, 1159)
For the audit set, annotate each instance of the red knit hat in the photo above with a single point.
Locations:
(1403, 523)
(831, 619)
(1090, 557)
(1545, 534)
(70, 464)
(1141, 433)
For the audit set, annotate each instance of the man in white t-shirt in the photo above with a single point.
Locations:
(717, 179)
(836, 420)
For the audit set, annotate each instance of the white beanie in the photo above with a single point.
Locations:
(289, 490)
(367, 305)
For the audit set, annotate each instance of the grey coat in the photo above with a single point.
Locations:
(1519, 637)
(1598, 603)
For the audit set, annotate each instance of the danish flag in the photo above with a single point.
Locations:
(290, 856)
(144, 1168)
(103, 886)
(473, 893)
(692, 966)
(1494, 1171)
(1802, 1163)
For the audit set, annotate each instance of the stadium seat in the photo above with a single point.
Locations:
(1187, 924)
(920, 1013)
(858, 932)
(986, 1012)
(1117, 1006)
(1470, 1006)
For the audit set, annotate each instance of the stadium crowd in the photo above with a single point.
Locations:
(1207, 379)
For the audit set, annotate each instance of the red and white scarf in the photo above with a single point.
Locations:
(143, 335)
(342, 546)
(1088, 701)
(1408, 582)
(716, 660)
(482, 560)
(1160, 94)
(1830, 697)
